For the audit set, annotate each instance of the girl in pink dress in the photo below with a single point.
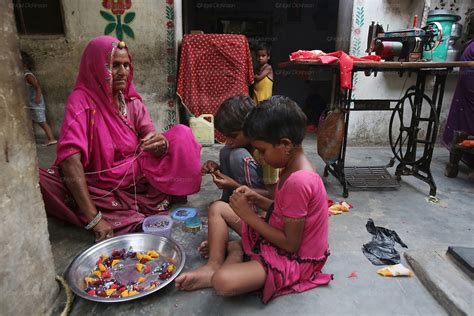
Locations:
(284, 248)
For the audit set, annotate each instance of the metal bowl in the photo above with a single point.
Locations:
(85, 262)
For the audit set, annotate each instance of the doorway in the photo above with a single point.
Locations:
(286, 26)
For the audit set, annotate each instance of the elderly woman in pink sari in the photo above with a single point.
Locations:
(112, 168)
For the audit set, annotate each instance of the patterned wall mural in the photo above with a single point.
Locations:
(118, 22)
(170, 65)
(357, 43)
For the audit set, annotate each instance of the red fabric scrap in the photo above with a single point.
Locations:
(345, 62)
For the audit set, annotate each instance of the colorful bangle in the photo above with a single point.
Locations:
(94, 221)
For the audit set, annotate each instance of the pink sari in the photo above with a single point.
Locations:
(125, 183)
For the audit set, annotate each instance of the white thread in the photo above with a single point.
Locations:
(113, 168)
(135, 157)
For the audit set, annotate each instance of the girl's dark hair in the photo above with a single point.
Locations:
(276, 118)
(27, 60)
(263, 46)
(231, 114)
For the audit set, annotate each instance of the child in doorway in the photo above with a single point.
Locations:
(35, 98)
(285, 252)
(263, 80)
(239, 164)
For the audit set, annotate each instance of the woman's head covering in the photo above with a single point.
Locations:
(95, 71)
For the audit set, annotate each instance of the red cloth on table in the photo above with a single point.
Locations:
(213, 67)
(345, 62)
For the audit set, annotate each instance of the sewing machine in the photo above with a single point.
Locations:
(402, 45)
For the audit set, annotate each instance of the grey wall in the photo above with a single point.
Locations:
(57, 58)
(344, 22)
(371, 128)
(27, 270)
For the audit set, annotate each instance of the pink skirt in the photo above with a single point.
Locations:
(286, 273)
(124, 209)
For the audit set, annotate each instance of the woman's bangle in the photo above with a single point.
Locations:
(167, 144)
(94, 221)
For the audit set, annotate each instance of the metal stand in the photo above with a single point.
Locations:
(413, 132)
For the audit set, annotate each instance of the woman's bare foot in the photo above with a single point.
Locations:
(196, 279)
(204, 249)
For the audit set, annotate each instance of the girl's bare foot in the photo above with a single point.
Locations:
(204, 249)
(196, 279)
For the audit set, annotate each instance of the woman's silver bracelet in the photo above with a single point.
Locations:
(94, 221)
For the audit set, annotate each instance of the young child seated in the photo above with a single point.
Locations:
(239, 163)
(285, 251)
(263, 80)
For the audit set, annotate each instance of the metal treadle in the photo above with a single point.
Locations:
(370, 178)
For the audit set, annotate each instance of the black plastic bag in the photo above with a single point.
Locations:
(381, 250)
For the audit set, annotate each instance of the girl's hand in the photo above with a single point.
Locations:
(251, 195)
(209, 167)
(224, 182)
(241, 206)
(38, 99)
(155, 144)
(103, 230)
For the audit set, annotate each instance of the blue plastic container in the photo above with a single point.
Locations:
(183, 213)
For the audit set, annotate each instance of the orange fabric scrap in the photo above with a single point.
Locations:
(339, 208)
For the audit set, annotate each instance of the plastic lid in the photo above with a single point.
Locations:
(183, 213)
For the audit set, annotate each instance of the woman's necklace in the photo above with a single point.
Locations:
(122, 107)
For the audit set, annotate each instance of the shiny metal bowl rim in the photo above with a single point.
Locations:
(80, 292)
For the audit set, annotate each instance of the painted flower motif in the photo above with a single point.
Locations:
(170, 103)
(170, 2)
(117, 6)
(357, 31)
(170, 24)
(170, 51)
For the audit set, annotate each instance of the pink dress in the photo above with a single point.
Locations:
(302, 195)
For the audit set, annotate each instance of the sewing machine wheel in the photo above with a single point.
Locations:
(413, 121)
(436, 38)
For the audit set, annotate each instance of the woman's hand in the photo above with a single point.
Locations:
(209, 167)
(224, 182)
(155, 144)
(103, 230)
(241, 206)
(75, 181)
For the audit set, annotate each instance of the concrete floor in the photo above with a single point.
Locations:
(420, 224)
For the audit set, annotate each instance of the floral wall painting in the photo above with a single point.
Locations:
(118, 22)
(171, 64)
